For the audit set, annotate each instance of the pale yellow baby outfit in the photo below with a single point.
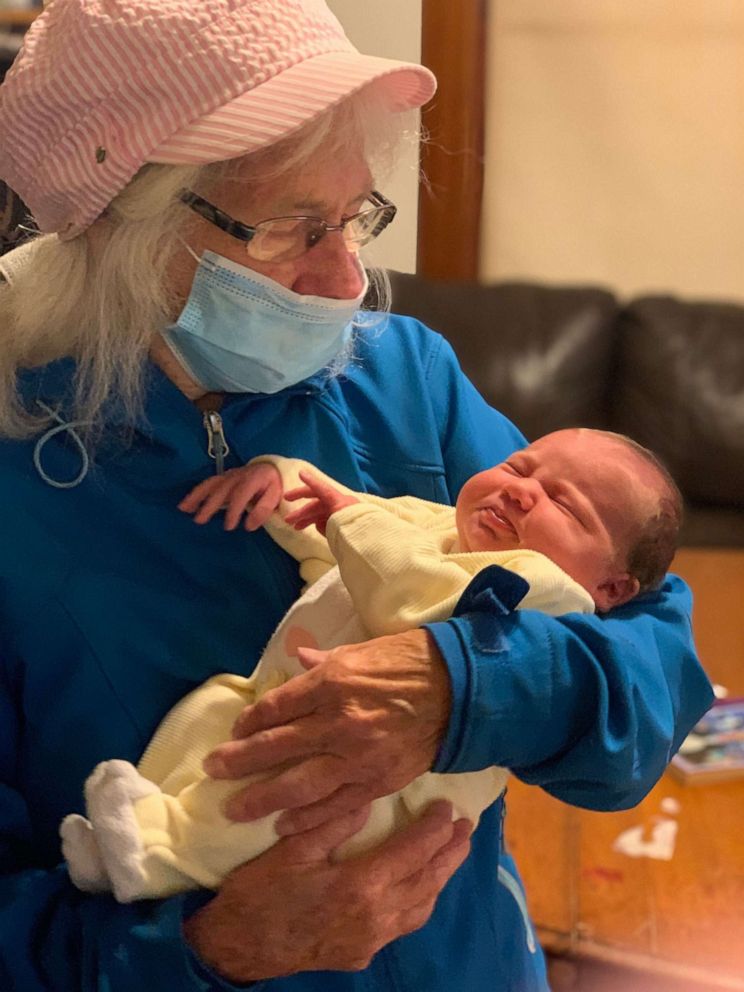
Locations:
(385, 566)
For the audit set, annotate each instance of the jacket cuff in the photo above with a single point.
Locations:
(493, 594)
(448, 640)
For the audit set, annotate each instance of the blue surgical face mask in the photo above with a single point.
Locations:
(241, 332)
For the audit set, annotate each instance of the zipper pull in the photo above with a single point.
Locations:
(217, 447)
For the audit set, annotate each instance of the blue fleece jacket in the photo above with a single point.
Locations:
(113, 605)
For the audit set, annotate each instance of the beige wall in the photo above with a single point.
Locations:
(615, 144)
(391, 28)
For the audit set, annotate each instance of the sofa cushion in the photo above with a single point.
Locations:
(541, 355)
(679, 389)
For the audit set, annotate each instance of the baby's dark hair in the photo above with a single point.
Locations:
(655, 543)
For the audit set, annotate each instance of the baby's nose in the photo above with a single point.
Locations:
(521, 493)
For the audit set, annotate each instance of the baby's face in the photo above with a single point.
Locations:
(575, 496)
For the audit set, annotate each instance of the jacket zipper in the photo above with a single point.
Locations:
(217, 444)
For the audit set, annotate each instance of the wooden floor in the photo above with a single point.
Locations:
(571, 975)
(670, 916)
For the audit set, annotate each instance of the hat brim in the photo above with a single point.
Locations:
(274, 109)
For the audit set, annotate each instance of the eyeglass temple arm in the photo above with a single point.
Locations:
(218, 217)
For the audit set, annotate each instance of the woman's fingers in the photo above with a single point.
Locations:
(415, 917)
(409, 851)
(313, 911)
(430, 879)
(320, 844)
(309, 657)
(427, 884)
(266, 749)
(317, 778)
(429, 864)
(340, 803)
(291, 701)
(421, 889)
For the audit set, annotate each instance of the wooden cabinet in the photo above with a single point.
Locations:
(682, 916)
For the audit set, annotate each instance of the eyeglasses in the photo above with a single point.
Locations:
(281, 239)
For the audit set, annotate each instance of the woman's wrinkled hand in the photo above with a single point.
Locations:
(363, 721)
(295, 908)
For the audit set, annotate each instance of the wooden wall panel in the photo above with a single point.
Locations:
(453, 47)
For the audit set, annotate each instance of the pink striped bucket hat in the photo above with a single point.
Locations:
(102, 87)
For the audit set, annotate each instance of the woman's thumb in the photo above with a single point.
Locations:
(311, 657)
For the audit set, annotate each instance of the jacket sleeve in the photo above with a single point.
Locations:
(54, 938)
(591, 708)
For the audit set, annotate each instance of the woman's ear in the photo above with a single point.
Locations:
(615, 591)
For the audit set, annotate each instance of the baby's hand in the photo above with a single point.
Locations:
(322, 501)
(255, 489)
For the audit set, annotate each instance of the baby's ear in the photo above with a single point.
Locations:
(615, 591)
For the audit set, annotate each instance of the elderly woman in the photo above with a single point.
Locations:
(203, 175)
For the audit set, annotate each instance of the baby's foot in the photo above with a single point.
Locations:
(110, 794)
(80, 851)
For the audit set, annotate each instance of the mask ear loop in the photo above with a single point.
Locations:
(191, 252)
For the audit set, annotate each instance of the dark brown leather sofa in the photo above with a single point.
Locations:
(669, 373)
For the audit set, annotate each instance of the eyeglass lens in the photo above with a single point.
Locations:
(289, 237)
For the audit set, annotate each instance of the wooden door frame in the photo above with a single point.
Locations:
(454, 42)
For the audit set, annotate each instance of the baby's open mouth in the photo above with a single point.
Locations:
(496, 521)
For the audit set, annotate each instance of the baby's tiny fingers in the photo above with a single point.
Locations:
(302, 517)
(214, 502)
(193, 500)
(317, 486)
(301, 492)
(236, 507)
(261, 511)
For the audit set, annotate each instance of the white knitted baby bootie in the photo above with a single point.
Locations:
(80, 851)
(104, 852)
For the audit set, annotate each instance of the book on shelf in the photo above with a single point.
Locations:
(714, 749)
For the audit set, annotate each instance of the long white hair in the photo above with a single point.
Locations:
(102, 297)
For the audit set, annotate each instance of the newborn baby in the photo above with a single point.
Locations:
(586, 519)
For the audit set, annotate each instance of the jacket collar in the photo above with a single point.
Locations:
(54, 385)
